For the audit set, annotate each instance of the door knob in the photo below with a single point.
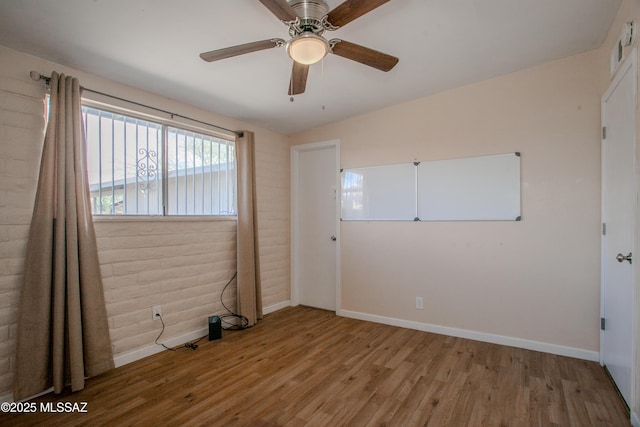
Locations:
(622, 258)
(334, 238)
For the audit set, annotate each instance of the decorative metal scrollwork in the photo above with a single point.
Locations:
(147, 168)
(327, 25)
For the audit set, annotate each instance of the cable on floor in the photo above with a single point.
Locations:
(241, 322)
(193, 345)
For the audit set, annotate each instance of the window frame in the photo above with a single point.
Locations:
(165, 120)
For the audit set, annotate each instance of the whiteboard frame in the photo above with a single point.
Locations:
(480, 188)
(400, 190)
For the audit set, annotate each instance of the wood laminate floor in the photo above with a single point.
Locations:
(306, 367)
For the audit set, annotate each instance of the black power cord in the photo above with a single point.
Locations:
(241, 322)
(191, 345)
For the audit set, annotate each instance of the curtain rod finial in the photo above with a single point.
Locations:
(37, 77)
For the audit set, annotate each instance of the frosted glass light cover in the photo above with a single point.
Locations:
(307, 48)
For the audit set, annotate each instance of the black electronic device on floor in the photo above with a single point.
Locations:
(215, 328)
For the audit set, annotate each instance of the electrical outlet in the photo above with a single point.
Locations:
(156, 312)
(419, 303)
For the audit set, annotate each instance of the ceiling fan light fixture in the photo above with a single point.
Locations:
(307, 48)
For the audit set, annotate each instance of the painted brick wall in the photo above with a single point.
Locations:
(180, 264)
(21, 119)
(273, 178)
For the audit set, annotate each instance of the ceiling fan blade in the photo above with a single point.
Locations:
(363, 55)
(228, 52)
(352, 9)
(281, 9)
(298, 81)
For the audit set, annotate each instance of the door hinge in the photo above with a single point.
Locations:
(604, 132)
(604, 228)
(602, 323)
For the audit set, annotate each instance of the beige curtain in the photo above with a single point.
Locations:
(63, 334)
(249, 294)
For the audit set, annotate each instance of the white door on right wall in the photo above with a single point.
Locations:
(618, 217)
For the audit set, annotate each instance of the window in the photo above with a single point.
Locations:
(201, 171)
(142, 167)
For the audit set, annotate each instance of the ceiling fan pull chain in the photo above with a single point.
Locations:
(322, 83)
(291, 88)
(307, 20)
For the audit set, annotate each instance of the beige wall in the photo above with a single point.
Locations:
(180, 264)
(535, 280)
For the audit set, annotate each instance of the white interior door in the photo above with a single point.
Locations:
(315, 225)
(618, 213)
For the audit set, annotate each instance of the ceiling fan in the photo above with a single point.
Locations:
(307, 20)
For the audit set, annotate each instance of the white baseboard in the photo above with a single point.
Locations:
(478, 336)
(141, 353)
(9, 397)
(635, 421)
(276, 307)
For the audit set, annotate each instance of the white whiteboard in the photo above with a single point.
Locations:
(483, 188)
(384, 193)
(470, 189)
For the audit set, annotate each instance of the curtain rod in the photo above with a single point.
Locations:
(37, 76)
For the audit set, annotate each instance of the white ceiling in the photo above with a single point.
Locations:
(442, 44)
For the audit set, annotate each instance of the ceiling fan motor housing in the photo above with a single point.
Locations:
(311, 13)
(307, 20)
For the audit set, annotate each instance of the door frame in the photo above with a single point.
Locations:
(296, 150)
(630, 65)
